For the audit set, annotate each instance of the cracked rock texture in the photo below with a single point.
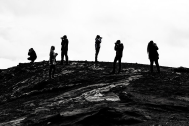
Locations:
(86, 94)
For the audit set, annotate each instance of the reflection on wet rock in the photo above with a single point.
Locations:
(15, 122)
(96, 67)
(67, 71)
(102, 97)
(131, 70)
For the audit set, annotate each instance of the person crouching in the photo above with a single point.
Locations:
(32, 55)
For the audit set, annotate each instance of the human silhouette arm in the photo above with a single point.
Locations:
(155, 46)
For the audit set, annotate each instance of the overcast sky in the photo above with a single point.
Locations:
(39, 24)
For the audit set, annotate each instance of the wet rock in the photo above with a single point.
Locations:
(96, 67)
(176, 78)
(132, 70)
(32, 105)
(125, 97)
(183, 98)
(9, 75)
(41, 120)
(178, 73)
(111, 116)
(102, 97)
(181, 69)
(82, 93)
(1, 77)
(15, 122)
(67, 71)
(41, 109)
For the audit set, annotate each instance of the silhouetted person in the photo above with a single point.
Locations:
(52, 62)
(97, 46)
(32, 55)
(119, 53)
(64, 49)
(153, 55)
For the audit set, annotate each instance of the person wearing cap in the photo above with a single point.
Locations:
(52, 62)
(32, 55)
(64, 49)
(153, 55)
(119, 53)
(97, 46)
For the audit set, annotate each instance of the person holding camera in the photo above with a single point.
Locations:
(64, 49)
(52, 62)
(119, 53)
(97, 46)
(153, 55)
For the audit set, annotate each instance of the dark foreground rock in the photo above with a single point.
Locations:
(86, 94)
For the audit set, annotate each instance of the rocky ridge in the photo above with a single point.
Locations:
(83, 94)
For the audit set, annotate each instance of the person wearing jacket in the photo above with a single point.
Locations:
(64, 49)
(153, 55)
(119, 53)
(52, 62)
(97, 47)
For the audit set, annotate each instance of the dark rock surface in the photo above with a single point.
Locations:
(85, 94)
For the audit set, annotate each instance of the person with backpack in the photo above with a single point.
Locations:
(52, 62)
(97, 47)
(153, 55)
(119, 53)
(64, 49)
(32, 55)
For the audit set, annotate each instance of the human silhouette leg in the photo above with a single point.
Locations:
(62, 57)
(119, 64)
(157, 65)
(30, 59)
(53, 70)
(151, 65)
(66, 55)
(33, 59)
(50, 70)
(96, 54)
(114, 64)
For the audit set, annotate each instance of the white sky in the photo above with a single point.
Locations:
(40, 24)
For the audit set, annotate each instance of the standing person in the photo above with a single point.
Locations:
(97, 46)
(119, 53)
(52, 62)
(153, 55)
(64, 49)
(32, 55)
